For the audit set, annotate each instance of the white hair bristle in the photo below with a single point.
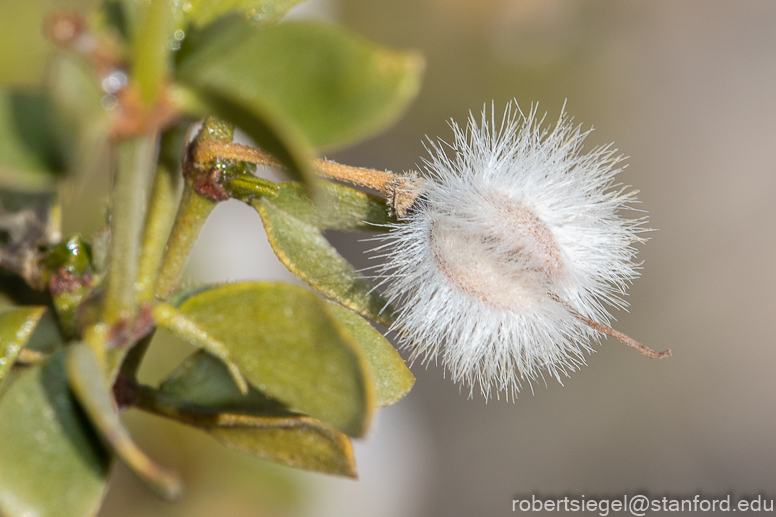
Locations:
(516, 229)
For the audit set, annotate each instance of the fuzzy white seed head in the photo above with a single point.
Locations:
(515, 231)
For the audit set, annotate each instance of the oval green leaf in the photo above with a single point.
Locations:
(296, 441)
(334, 86)
(286, 343)
(170, 318)
(51, 461)
(201, 392)
(392, 377)
(307, 254)
(204, 381)
(88, 384)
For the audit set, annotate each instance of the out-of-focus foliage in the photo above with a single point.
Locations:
(91, 89)
(25, 49)
(52, 462)
(334, 86)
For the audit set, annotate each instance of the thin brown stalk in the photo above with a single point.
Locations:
(609, 331)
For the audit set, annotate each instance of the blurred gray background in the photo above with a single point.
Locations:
(687, 89)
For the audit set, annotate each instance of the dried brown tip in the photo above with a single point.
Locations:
(609, 331)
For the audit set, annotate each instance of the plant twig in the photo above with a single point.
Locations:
(135, 161)
(401, 191)
(161, 216)
(195, 207)
(193, 211)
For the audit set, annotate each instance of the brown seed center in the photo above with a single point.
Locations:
(509, 258)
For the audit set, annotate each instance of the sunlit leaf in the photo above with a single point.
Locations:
(202, 12)
(286, 344)
(51, 462)
(201, 392)
(16, 327)
(392, 377)
(168, 317)
(307, 254)
(332, 85)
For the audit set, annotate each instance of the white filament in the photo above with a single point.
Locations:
(514, 220)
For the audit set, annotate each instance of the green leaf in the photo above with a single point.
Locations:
(201, 392)
(80, 123)
(263, 123)
(286, 343)
(16, 327)
(87, 381)
(332, 85)
(392, 377)
(29, 155)
(340, 207)
(204, 381)
(205, 45)
(51, 462)
(202, 12)
(297, 441)
(168, 317)
(307, 254)
(268, 129)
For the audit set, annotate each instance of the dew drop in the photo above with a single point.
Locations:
(114, 81)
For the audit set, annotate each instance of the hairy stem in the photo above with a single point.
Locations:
(135, 161)
(401, 191)
(193, 211)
